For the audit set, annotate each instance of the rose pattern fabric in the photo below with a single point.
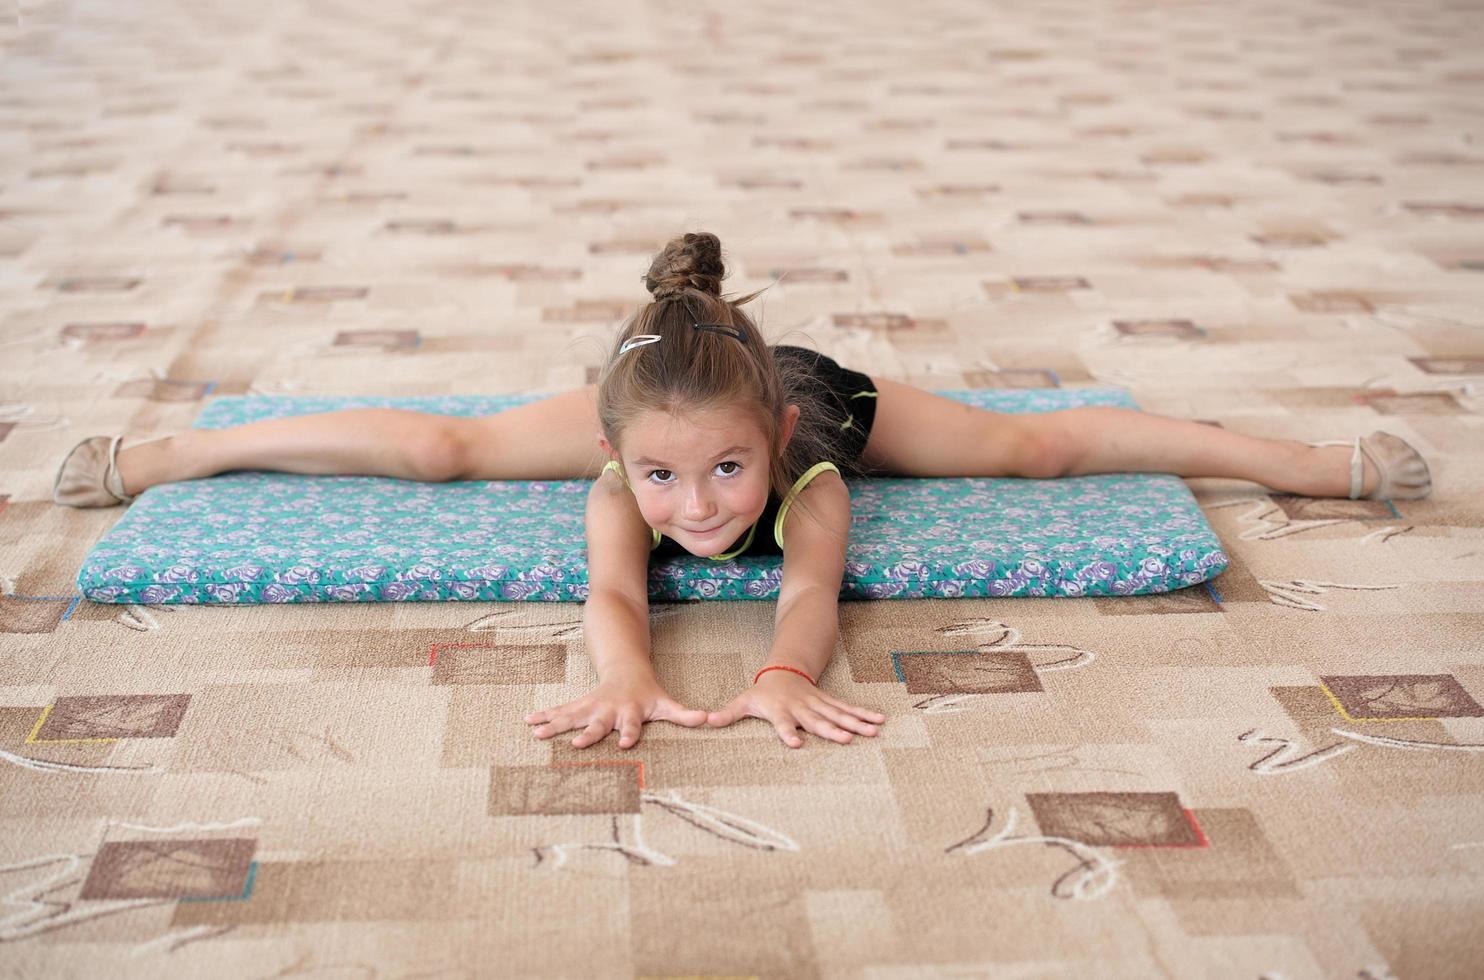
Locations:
(265, 538)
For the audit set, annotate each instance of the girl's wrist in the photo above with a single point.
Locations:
(784, 668)
(628, 670)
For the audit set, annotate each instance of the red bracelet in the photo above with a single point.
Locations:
(791, 670)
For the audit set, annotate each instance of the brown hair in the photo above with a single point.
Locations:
(689, 369)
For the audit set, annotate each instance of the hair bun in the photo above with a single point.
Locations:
(691, 261)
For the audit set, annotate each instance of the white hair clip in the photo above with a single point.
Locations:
(639, 340)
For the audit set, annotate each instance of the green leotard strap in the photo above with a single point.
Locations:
(798, 487)
(613, 465)
(850, 419)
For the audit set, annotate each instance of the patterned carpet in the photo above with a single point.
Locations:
(1268, 216)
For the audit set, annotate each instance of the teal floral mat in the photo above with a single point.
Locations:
(252, 537)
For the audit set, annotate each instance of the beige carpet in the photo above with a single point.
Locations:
(1265, 215)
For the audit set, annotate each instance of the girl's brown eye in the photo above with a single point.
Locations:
(727, 468)
(661, 476)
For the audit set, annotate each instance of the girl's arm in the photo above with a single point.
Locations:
(616, 615)
(808, 618)
(615, 629)
(807, 626)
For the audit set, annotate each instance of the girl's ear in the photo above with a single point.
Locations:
(607, 447)
(787, 425)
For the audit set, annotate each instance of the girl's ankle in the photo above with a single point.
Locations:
(145, 464)
(1331, 472)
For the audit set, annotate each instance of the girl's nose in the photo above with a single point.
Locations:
(697, 506)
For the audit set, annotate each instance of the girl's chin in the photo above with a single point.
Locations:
(706, 545)
(713, 542)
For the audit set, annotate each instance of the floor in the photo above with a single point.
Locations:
(1267, 216)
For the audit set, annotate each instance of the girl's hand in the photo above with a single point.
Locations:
(790, 702)
(623, 702)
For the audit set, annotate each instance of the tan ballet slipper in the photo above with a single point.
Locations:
(89, 475)
(1402, 473)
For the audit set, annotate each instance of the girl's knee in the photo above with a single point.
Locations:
(1042, 453)
(439, 454)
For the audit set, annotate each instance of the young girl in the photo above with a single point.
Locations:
(713, 443)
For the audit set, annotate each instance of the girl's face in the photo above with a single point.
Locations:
(700, 478)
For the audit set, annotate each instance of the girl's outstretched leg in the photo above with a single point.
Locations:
(917, 433)
(355, 442)
(555, 438)
(1124, 440)
(1116, 440)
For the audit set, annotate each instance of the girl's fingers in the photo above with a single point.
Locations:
(865, 714)
(594, 732)
(629, 726)
(824, 716)
(549, 714)
(562, 714)
(845, 719)
(667, 710)
(821, 726)
(733, 712)
(555, 724)
(786, 732)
